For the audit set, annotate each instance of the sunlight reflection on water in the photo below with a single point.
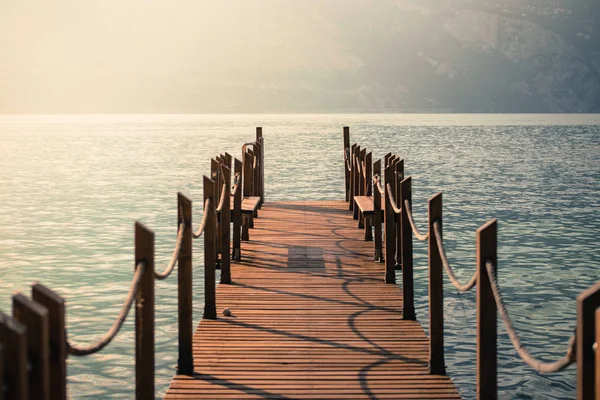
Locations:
(72, 186)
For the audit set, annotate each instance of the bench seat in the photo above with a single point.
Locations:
(249, 204)
(366, 206)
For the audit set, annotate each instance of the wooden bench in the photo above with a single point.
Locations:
(249, 211)
(367, 208)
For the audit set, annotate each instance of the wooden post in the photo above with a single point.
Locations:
(378, 253)
(13, 335)
(256, 170)
(597, 354)
(144, 314)
(587, 304)
(368, 185)
(34, 317)
(261, 141)
(391, 159)
(352, 176)
(408, 292)
(390, 229)
(347, 157)
(246, 174)
(215, 175)
(226, 228)
(210, 308)
(55, 305)
(251, 172)
(248, 186)
(228, 159)
(386, 159)
(1, 372)
(436, 292)
(357, 174)
(399, 175)
(487, 330)
(185, 363)
(237, 214)
(395, 185)
(362, 185)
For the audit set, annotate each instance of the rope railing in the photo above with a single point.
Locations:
(165, 274)
(236, 184)
(537, 365)
(391, 198)
(200, 231)
(48, 328)
(453, 279)
(397, 239)
(222, 196)
(377, 184)
(415, 230)
(245, 145)
(347, 162)
(77, 350)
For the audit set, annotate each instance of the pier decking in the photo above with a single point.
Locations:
(308, 305)
(311, 317)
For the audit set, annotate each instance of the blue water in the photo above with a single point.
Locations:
(72, 187)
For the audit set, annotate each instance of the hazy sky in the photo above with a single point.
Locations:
(108, 55)
(196, 56)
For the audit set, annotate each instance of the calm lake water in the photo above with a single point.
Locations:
(72, 187)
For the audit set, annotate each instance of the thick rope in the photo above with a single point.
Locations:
(415, 230)
(346, 161)
(222, 201)
(455, 282)
(165, 274)
(200, 230)
(537, 365)
(236, 184)
(77, 350)
(377, 184)
(391, 198)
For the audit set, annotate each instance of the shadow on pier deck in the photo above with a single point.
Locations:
(311, 318)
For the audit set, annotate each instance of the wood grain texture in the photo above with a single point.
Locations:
(312, 318)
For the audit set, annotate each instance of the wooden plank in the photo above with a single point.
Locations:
(144, 313)
(13, 335)
(249, 204)
(34, 317)
(185, 362)
(310, 318)
(365, 204)
(487, 329)
(225, 227)
(57, 338)
(210, 244)
(587, 303)
(436, 290)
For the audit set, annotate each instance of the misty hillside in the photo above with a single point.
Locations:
(465, 56)
(314, 55)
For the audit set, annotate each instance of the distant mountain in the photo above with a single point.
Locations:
(459, 55)
(465, 56)
(294, 56)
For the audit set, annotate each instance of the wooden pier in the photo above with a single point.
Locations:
(311, 318)
(316, 299)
